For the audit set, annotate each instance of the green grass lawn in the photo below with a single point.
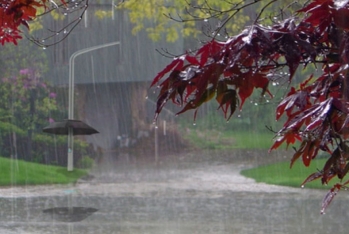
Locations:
(18, 172)
(225, 140)
(281, 174)
(250, 140)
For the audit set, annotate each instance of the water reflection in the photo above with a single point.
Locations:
(233, 213)
(69, 214)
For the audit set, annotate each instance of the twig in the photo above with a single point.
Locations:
(68, 28)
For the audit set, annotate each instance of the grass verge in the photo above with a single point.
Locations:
(18, 172)
(225, 140)
(281, 174)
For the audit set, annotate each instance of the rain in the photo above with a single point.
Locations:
(142, 177)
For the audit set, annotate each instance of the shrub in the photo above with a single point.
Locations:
(86, 162)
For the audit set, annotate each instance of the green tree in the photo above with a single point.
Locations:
(26, 100)
(27, 103)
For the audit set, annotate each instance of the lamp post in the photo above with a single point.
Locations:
(71, 95)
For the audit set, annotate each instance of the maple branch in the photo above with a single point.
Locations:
(237, 10)
(212, 13)
(316, 110)
(165, 53)
(270, 128)
(67, 29)
(263, 9)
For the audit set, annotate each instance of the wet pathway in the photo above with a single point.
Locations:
(177, 197)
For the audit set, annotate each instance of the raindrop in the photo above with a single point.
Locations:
(256, 104)
(274, 83)
(194, 123)
(322, 211)
(302, 186)
(65, 31)
(205, 20)
(156, 127)
(44, 47)
(239, 116)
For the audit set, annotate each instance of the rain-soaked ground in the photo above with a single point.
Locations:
(189, 194)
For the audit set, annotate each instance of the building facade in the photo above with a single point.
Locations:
(111, 83)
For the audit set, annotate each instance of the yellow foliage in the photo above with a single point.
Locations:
(157, 16)
(56, 15)
(100, 14)
(190, 32)
(35, 25)
(153, 34)
(171, 34)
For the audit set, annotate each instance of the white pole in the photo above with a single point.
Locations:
(164, 131)
(71, 96)
(156, 146)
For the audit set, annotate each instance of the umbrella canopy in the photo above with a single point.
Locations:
(62, 128)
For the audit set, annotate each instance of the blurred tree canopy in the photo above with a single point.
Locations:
(198, 18)
(158, 17)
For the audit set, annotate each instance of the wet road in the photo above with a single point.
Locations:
(205, 198)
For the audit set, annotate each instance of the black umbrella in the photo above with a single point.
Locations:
(70, 127)
(62, 128)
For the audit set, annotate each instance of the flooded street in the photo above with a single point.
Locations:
(177, 197)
